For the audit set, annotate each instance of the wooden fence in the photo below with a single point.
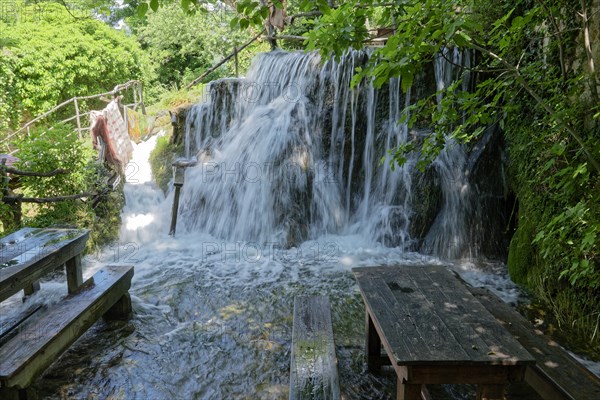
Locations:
(134, 85)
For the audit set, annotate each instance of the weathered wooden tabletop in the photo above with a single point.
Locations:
(30, 253)
(428, 316)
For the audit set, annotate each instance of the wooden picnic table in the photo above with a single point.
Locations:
(434, 331)
(30, 253)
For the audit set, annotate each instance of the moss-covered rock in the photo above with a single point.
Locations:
(520, 251)
(161, 159)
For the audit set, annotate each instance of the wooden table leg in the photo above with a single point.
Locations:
(121, 310)
(31, 289)
(490, 392)
(74, 274)
(408, 391)
(372, 346)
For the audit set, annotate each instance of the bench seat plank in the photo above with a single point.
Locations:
(42, 339)
(37, 253)
(556, 375)
(313, 372)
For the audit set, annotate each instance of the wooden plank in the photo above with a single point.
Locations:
(479, 333)
(556, 375)
(48, 335)
(439, 337)
(313, 370)
(391, 319)
(59, 246)
(10, 327)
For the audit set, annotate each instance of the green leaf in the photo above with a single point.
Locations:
(518, 22)
(264, 12)
(462, 39)
(142, 9)
(154, 5)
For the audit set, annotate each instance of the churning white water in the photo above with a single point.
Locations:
(289, 194)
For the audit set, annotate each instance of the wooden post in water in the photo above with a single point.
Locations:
(179, 167)
(175, 208)
(4, 177)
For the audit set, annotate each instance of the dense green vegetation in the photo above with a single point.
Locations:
(58, 57)
(184, 45)
(62, 149)
(534, 76)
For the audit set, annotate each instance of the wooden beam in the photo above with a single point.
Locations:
(285, 37)
(313, 366)
(556, 375)
(19, 172)
(223, 61)
(77, 117)
(74, 273)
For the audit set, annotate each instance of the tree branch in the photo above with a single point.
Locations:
(284, 37)
(21, 199)
(563, 68)
(590, 55)
(15, 171)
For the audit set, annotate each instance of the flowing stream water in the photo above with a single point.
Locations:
(289, 195)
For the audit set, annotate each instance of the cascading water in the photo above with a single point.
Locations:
(448, 234)
(292, 153)
(288, 156)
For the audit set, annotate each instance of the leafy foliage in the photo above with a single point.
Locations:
(59, 57)
(184, 45)
(9, 95)
(59, 148)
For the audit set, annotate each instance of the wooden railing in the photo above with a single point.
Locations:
(138, 101)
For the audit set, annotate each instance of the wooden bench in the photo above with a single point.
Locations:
(34, 340)
(434, 331)
(556, 375)
(313, 370)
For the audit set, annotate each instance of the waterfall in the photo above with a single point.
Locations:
(143, 199)
(448, 235)
(291, 152)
